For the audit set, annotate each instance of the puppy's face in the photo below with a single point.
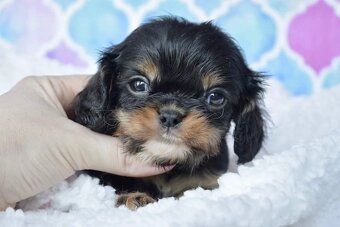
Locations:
(170, 91)
(170, 108)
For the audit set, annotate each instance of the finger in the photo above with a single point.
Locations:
(67, 87)
(105, 153)
(59, 90)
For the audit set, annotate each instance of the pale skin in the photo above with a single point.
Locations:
(40, 146)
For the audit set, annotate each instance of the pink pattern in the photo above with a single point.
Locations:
(30, 23)
(64, 54)
(315, 35)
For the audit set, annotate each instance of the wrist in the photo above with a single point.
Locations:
(3, 201)
(3, 198)
(4, 205)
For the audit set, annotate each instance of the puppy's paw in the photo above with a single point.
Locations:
(134, 200)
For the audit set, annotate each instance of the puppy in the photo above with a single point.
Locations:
(169, 91)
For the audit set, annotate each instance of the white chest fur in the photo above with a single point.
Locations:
(162, 150)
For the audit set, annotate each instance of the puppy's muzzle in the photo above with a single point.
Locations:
(170, 118)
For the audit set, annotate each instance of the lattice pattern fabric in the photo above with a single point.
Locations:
(297, 42)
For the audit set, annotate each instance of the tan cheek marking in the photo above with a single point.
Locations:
(211, 80)
(118, 132)
(197, 132)
(149, 69)
(139, 124)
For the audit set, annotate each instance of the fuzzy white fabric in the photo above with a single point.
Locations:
(294, 181)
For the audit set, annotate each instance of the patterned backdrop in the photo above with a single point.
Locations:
(295, 41)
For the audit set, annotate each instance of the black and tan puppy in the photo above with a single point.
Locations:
(169, 91)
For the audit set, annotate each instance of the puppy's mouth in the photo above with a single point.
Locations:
(168, 135)
(188, 142)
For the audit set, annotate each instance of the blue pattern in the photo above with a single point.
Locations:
(64, 3)
(287, 6)
(287, 71)
(332, 77)
(11, 27)
(84, 27)
(169, 7)
(253, 30)
(208, 6)
(135, 3)
(97, 24)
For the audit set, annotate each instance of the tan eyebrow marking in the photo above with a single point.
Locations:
(149, 69)
(210, 80)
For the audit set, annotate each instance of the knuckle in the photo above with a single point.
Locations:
(29, 81)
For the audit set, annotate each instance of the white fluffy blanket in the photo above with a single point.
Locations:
(294, 181)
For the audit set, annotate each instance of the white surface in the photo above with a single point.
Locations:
(294, 181)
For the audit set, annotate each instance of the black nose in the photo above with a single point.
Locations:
(170, 118)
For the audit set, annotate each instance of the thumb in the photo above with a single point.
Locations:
(105, 153)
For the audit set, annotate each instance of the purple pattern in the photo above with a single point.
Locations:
(73, 32)
(64, 54)
(315, 35)
(29, 24)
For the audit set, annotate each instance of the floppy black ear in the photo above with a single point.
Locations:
(93, 104)
(249, 122)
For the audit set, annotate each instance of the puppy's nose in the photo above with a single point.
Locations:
(170, 118)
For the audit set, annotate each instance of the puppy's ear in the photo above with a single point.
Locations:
(93, 104)
(249, 122)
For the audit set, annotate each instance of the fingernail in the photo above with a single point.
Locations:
(167, 167)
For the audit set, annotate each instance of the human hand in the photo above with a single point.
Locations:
(40, 146)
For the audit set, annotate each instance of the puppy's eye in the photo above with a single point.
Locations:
(139, 85)
(215, 99)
